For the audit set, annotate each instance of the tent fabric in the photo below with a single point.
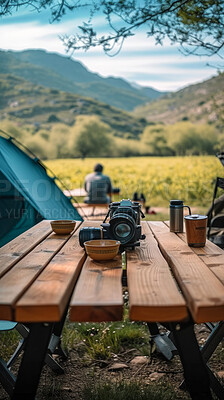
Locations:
(27, 193)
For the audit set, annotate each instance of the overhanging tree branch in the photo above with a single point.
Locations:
(196, 25)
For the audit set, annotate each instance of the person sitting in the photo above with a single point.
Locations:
(98, 187)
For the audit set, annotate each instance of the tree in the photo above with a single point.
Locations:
(91, 137)
(186, 138)
(155, 139)
(196, 25)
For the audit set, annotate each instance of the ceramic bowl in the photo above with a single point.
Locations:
(101, 250)
(63, 226)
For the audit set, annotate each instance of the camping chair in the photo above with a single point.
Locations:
(215, 231)
(7, 379)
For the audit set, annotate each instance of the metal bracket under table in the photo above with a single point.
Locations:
(215, 337)
(32, 361)
(196, 373)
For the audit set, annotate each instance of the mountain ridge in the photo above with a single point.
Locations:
(56, 71)
(25, 103)
(202, 102)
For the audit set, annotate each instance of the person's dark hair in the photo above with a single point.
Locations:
(98, 168)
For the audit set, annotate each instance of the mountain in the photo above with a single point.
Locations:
(199, 103)
(29, 104)
(37, 87)
(59, 72)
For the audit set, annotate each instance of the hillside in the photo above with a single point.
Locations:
(26, 103)
(200, 103)
(62, 73)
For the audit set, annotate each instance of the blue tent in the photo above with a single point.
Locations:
(27, 193)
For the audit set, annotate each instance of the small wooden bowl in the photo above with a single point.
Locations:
(101, 250)
(63, 226)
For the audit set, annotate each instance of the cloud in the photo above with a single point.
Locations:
(30, 35)
(162, 67)
(161, 72)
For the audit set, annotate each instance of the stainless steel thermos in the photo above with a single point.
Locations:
(177, 215)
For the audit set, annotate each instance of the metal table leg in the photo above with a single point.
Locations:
(55, 342)
(32, 361)
(7, 379)
(215, 337)
(54, 346)
(195, 371)
(213, 340)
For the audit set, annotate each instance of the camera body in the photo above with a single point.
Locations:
(123, 225)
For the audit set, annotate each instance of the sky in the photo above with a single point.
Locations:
(140, 61)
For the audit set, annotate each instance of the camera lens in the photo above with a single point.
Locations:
(88, 233)
(122, 230)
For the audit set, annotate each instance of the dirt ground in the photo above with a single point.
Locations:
(81, 371)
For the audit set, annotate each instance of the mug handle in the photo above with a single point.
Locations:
(188, 209)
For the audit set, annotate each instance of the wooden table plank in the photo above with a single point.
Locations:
(153, 293)
(22, 245)
(210, 254)
(98, 293)
(203, 292)
(17, 280)
(48, 296)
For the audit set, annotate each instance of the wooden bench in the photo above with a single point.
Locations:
(87, 210)
(83, 207)
(80, 192)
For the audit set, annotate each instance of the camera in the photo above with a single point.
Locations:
(123, 225)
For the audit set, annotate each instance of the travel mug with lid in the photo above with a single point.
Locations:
(177, 215)
(196, 228)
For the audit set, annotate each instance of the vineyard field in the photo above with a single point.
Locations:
(159, 178)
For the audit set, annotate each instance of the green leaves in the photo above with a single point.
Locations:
(195, 25)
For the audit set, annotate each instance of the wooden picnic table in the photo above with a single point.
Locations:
(78, 192)
(81, 192)
(43, 274)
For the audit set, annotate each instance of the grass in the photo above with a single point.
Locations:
(132, 391)
(102, 340)
(159, 216)
(8, 343)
